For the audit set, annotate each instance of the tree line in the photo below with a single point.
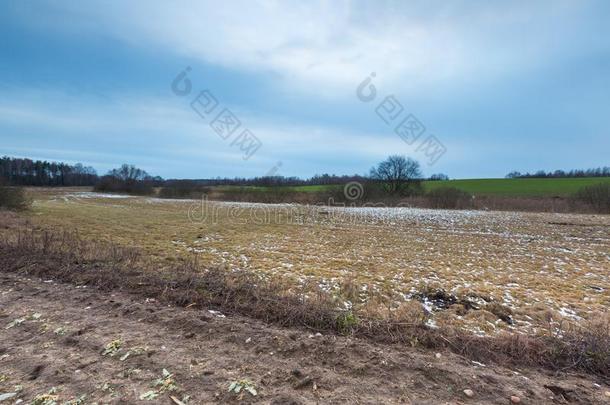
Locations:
(128, 178)
(597, 172)
(267, 181)
(28, 172)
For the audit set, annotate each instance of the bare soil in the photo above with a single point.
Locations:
(64, 330)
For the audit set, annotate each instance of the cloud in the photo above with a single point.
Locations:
(496, 73)
(147, 131)
(328, 47)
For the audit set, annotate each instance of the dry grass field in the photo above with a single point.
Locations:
(119, 299)
(482, 271)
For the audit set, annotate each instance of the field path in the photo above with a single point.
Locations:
(54, 335)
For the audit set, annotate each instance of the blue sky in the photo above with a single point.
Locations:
(520, 85)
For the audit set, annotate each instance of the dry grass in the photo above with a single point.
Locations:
(596, 197)
(13, 198)
(66, 257)
(541, 269)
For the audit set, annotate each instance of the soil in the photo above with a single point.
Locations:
(65, 330)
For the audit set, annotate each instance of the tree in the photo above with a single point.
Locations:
(26, 172)
(398, 174)
(439, 176)
(127, 179)
(129, 173)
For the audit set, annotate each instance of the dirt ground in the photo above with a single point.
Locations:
(58, 339)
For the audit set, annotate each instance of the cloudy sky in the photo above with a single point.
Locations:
(494, 86)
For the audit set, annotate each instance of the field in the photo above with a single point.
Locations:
(524, 272)
(541, 187)
(120, 299)
(520, 187)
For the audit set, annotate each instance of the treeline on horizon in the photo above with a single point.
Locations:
(28, 172)
(541, 174)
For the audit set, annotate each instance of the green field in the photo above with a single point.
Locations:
(502, 187)
(520, 187)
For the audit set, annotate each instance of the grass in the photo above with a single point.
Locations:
(560, 187)
(68, 258)
(519, 187)
(543, 266)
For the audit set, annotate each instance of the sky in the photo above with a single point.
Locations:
(204, 89)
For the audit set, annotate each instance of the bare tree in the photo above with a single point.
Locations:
(397, 174)
(127, 179)
(129, 173)
(438, 177)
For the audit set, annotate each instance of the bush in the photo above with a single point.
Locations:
(439, 177)
(449, 197)
(183, 189)
(127, 179)
(109, 184)
(13, 198)
(597, 197)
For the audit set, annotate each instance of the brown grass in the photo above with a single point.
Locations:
(444, 198)
(449, 198)
(13, 198)
(596, 197)
(404, 257)
(65, 257)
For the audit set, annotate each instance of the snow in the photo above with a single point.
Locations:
(88, 194)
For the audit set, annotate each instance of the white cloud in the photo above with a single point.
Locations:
(329, 47)
(322, 48)
(146, 130)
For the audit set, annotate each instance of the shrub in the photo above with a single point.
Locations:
(109, 184)
(346, 322)
(183, 189)
(596, 196)
(439, 177)
(127, 179)
(12, 198)
(449, 197)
